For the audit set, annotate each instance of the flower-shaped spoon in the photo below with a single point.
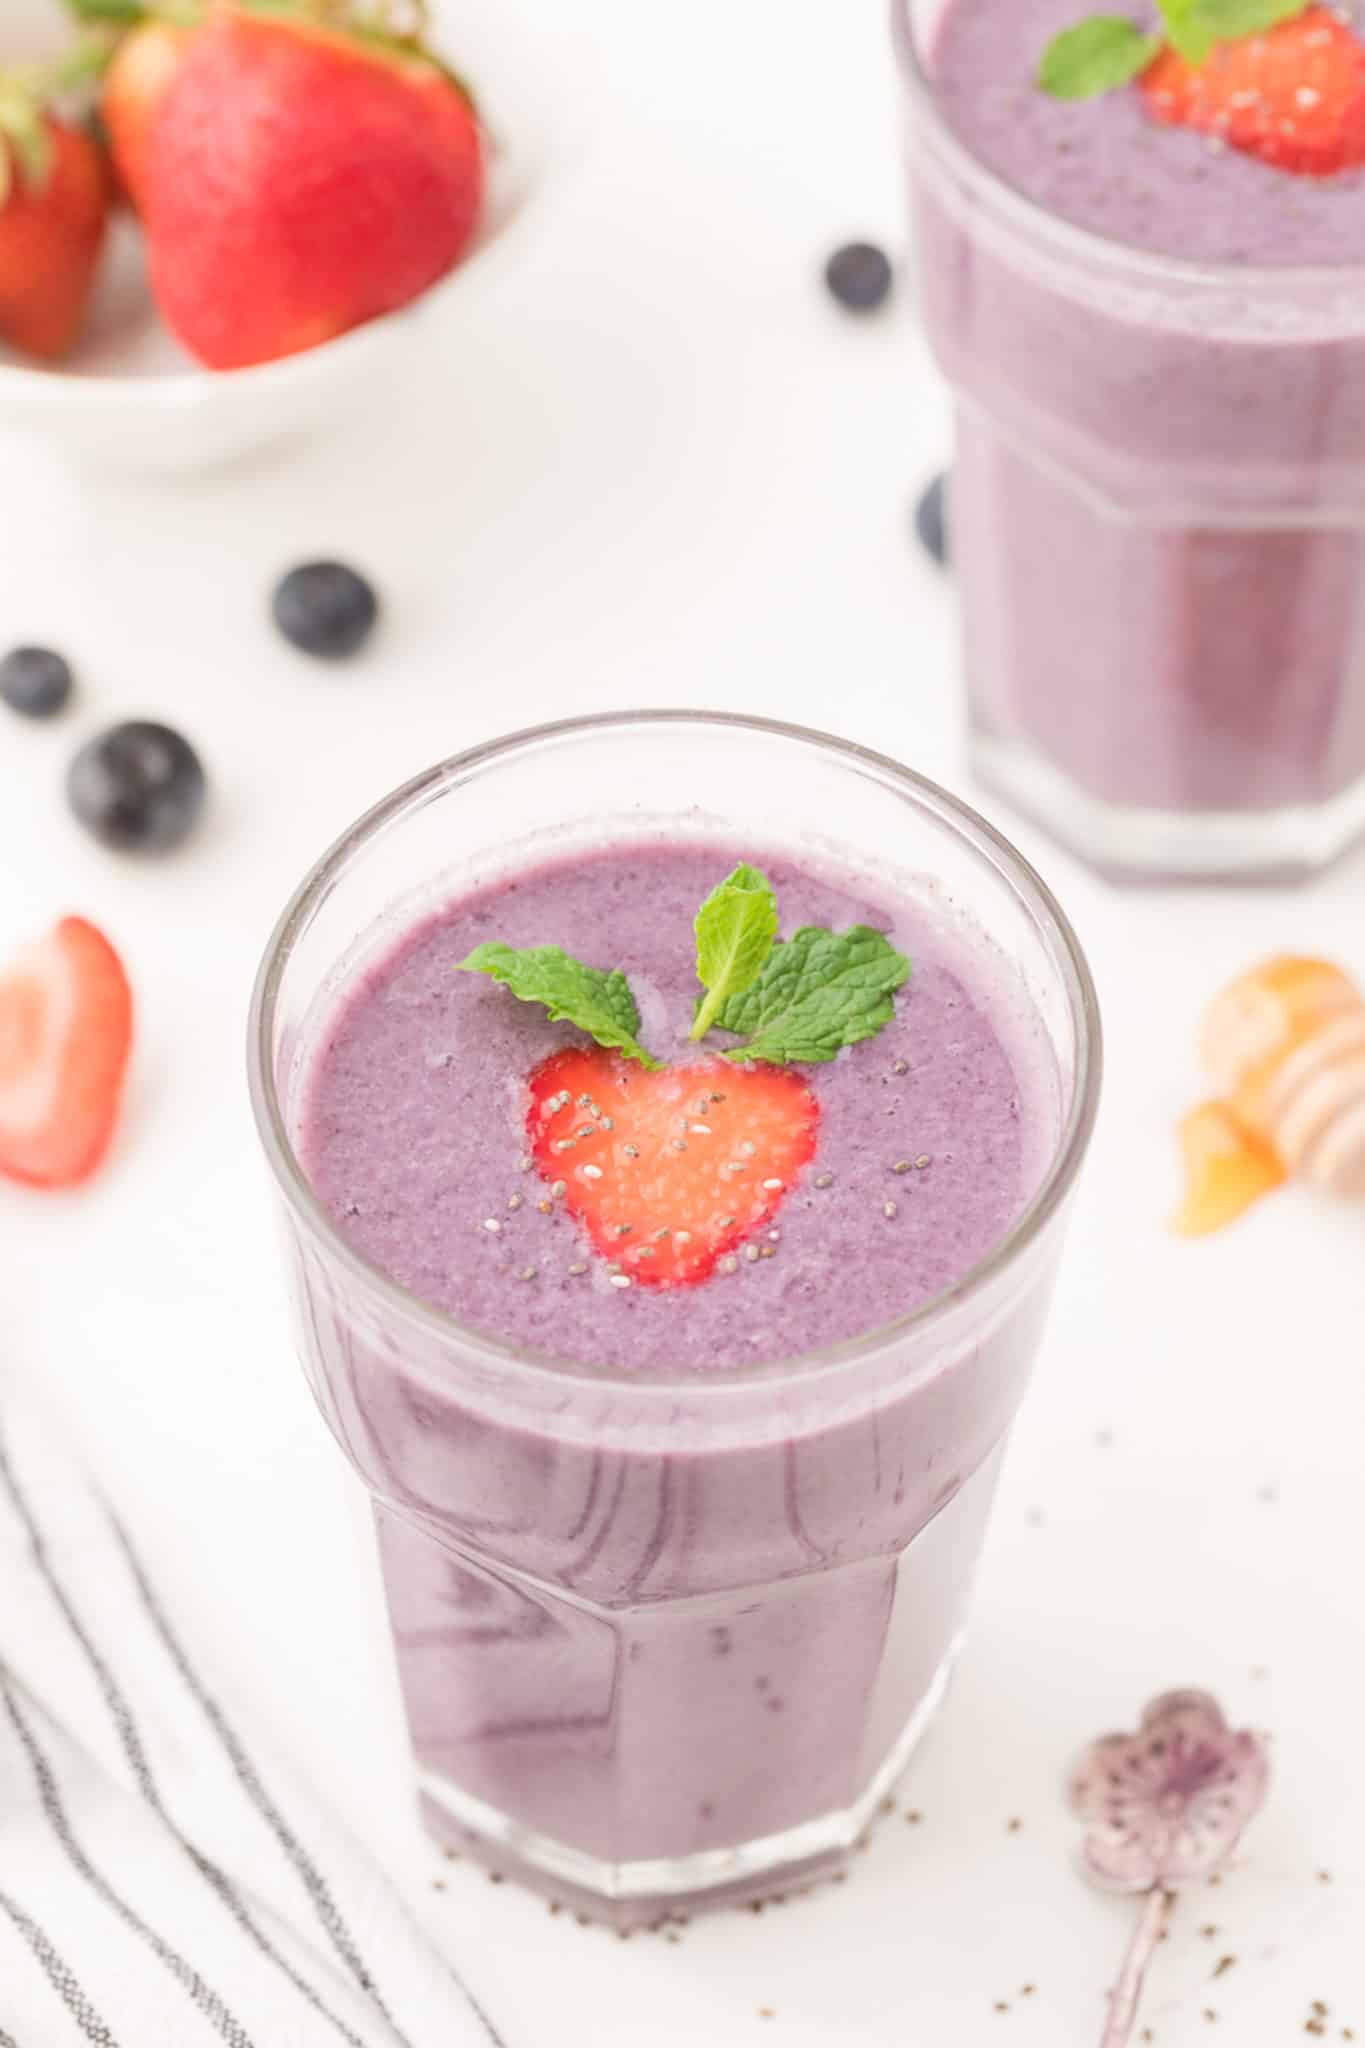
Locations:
(1165, 1806)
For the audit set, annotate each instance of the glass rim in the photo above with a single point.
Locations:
(522, 1361)
(1087, 245)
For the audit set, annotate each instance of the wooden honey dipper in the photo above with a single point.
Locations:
(1285, 1047)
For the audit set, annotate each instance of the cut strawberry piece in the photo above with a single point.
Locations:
(1294, 97)
(66, 1026)
(668, 1172)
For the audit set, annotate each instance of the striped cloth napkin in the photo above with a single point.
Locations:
(162, 1882)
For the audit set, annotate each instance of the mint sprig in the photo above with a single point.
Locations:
(1105, 51)
(736, 928)
(599, 1003)
(1096, 56)
(801, 1000)
(818, 992)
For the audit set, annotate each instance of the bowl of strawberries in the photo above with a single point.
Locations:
(219, 217)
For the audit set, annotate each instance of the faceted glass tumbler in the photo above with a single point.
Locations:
(1158, 524)
(668, 1638)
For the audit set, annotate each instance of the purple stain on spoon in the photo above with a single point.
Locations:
(1165, 1806)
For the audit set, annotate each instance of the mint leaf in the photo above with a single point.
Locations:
(1195, 26)
(600, 1004)
(818, 992)
(1098, 54)
(1184, 29)
(735, 927)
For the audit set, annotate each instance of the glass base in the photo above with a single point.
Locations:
(652, 1892)
(1135, 844)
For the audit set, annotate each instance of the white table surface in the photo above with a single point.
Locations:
(655, 466)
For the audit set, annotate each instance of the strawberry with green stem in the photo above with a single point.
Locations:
(54, 204)
(672, 1170)
(1280, 80)
(301, 166)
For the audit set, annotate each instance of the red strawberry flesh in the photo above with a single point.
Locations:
(669, 1172)
(295, 182)
(1294, 97)
(66, 1020)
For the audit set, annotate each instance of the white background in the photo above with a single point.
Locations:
(649, 463)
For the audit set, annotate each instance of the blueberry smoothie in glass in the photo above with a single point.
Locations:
(1142, 254)
(673, 1219)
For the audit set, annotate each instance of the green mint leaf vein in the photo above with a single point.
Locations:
(1095, 56)
(599, 1003)
(736, 928)
(818, 992)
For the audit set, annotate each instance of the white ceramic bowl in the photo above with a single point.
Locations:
(131, 399)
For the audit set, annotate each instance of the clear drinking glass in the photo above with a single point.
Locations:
(1158, 505)
(670, 1637)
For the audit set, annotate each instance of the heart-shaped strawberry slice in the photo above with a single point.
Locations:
(669, 1171)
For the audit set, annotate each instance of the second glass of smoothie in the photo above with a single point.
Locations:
(1157, 349)
(677, 1574)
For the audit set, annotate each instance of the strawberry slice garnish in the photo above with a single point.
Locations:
(1294, 96)
(66, 1026)
(668, 1171)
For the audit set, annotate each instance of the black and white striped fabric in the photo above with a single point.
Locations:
(162, 1883)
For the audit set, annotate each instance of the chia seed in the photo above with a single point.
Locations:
(620, 1280)
(900, 1066)
(514, 1203)
(824, 1180)
(578, 1269)
(559, 1188)
(491, 1223)
(888, 1210)
(592, 1173)
(729, 1264)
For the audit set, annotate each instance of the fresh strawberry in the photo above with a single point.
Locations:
(54, 204)
(1293, 96)
(66, 1021)
(668, 1171)
(295, 180)
(138, 75)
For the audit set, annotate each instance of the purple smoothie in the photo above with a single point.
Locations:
(416, 1124)
(636, 1629)
(1160, 490)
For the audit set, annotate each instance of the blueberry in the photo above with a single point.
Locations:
(931, 520)
(859, 276)
(137, 787)
(326, 609)
(35, 682)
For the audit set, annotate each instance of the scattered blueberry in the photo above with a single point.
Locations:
(35, 682)
(137, 787)
(326, 609)
(859, 276)
(931, 520)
